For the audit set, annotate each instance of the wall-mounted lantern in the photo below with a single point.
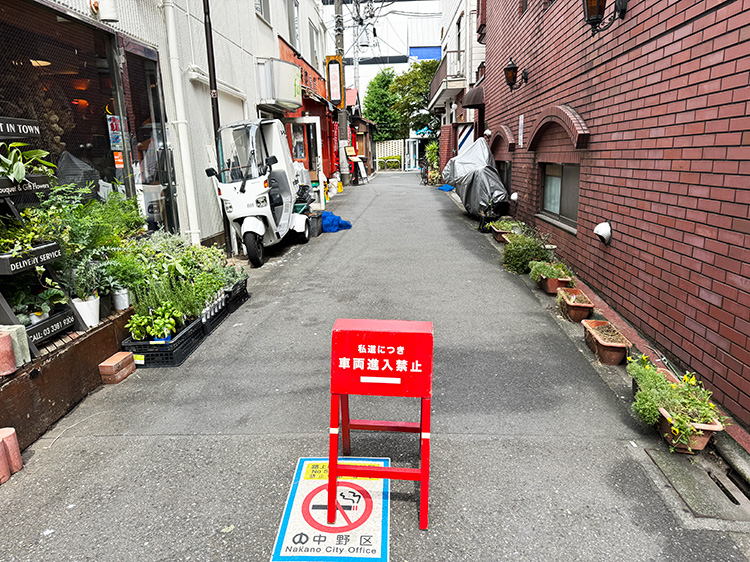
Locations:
(511, 75)
(593, 13)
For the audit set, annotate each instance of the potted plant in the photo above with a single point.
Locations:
(682, 407)
(32, 302)
(105, 288)
(164, 322)
(160, 323)
(505, 226)
(609, 345)
(16, 164)
(550, 276)
(86, 300)
(574, 304)
(522, 249)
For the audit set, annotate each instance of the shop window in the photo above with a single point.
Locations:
(560, 192)
(298, 142)
(57, 72)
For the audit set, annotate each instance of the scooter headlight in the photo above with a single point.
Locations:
(228, 206)
(261, 201)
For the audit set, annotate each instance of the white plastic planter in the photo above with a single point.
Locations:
(120, 299)
(88, 309)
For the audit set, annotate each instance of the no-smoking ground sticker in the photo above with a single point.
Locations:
(360, 531)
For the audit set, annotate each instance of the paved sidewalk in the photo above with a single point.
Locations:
(533, 456)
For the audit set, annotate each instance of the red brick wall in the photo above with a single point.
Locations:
(665, 94)
(447, 144)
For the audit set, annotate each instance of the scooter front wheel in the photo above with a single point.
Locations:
(254, 246)
(304, 236)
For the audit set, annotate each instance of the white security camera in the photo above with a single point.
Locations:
(604, 231)
(514, 196)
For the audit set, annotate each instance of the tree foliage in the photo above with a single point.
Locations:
(412, 92)
(379, 106)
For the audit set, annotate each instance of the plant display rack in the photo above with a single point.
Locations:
(65, 316)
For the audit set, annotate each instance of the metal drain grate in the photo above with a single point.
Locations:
(707, 484)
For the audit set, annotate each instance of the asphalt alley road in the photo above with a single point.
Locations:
(533, 456)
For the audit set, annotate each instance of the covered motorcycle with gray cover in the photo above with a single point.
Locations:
(476, 180)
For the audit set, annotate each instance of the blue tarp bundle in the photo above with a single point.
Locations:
(446, 187)
(333, 223)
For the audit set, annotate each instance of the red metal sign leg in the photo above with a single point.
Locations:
(333, 457)
(424, 484)
(345, 424)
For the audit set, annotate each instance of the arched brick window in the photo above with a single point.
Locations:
(503, 145)
(558, 138)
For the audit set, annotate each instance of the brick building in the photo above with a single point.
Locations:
(645, 125)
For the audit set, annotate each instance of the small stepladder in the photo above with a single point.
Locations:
(380, 358)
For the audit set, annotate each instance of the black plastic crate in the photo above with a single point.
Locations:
(210, 324)
(169, 354)
(237, 295)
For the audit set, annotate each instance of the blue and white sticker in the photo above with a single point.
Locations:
(360, 531)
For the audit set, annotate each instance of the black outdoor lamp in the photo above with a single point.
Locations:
(593, 13)
(511, 74)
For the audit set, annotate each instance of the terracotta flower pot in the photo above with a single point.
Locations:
(611, 348)
(697, 441)
(550, 285)
(497, 234)
(571, 306)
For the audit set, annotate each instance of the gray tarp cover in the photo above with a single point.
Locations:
(476, 179)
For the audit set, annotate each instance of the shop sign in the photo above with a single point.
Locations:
(115, 132)
(12, 128)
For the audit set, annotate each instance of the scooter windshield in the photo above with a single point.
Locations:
(241, 153)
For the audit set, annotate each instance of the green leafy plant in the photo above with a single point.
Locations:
(160, 322)
(432, 152)
(521, 250)
(84, 280)
(507, 225)
(233, 274)
(30, 296)
(686, 401)
(17, 238)
(550, 270)
(137, 326)
(16, 163)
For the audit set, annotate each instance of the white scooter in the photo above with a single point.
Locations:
(258, 186)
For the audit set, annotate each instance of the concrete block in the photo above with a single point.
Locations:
(4, 466)
(20, 343)
(7, 355)
(10, 444)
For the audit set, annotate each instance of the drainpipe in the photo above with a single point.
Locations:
(181, 122)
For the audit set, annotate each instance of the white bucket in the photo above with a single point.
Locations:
(120, 299)
(89, 310)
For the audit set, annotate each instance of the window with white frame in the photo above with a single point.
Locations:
(314, 43)
(560, 192)
(293, 13)
(261, 7)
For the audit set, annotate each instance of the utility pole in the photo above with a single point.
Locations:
(357, 32)
(343, 120)
(215, 111)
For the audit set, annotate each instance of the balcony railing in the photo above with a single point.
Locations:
(451, 66)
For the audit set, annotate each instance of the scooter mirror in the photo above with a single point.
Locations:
(211, 172)
(271, 160)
